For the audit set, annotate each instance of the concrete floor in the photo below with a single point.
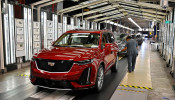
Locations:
(141, 75)
(161, 79)
(151, 71)
(14, 86)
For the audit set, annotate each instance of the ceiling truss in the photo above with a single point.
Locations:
(123, 8)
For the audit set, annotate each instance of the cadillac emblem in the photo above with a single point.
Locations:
(51, 64)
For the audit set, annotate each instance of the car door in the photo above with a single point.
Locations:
(108, 51)
(112, 49)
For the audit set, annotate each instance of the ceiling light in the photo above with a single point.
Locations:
(135, 23)
(119, 25)
(111, 22)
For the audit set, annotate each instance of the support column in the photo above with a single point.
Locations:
(1, 43)
(39, 14)
(32, 13)
(32, 22)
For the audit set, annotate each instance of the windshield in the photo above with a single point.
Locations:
(85, 40)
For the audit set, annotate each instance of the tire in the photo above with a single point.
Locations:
(99, 79)
(114, 68)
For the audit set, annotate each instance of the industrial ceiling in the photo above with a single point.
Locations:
(141, 11)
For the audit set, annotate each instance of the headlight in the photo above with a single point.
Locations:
(84, 62)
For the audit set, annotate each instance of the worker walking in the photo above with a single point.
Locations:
(132, 53)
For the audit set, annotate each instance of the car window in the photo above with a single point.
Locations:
(87, 40)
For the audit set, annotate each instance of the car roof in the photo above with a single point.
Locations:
(87, 31)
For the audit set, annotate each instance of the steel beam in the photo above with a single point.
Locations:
(50, 3)
(105, 18)
(96, 10)
(103, 14)
(80, 6)
(144, 17)
(40, 2)
(143, 10)
(141, 4)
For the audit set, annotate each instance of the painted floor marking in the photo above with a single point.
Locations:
(24, 75)
(140, 87)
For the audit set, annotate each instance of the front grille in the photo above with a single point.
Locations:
(53, 83)
(54, 65)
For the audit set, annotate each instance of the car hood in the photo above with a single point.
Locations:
(67, 53)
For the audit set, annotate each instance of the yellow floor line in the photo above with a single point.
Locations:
(138, 87)
(23, 75)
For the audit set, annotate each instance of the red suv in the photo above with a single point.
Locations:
(78, 59)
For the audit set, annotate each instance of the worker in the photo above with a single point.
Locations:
(132, 53)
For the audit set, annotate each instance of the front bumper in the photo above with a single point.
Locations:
(78, 77)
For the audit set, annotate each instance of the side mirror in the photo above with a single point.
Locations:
(52, 43)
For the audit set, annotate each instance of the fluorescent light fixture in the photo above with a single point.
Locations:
(111, 22)
(107, 21)
(119, 25)
(135, 23)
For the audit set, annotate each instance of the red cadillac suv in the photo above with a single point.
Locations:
(78, 59)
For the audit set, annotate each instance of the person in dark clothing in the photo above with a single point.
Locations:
(132, 53)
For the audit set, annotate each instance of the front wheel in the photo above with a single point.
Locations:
(115, 66)
(99, 79)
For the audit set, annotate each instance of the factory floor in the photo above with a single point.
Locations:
(150, 81)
